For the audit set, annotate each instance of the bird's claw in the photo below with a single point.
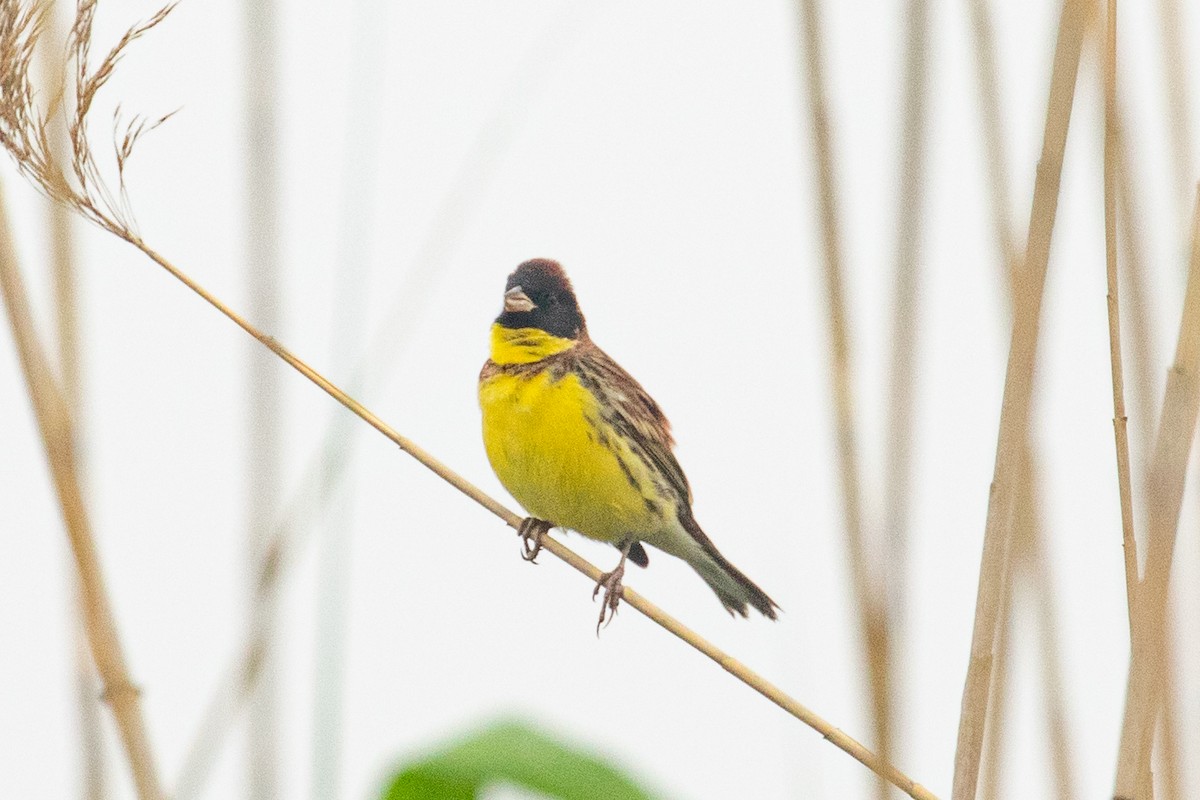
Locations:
(531, 532)
(610, 582)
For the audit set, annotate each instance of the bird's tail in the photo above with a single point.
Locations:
(734, 589)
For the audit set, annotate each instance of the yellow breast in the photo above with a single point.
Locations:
(550, 447)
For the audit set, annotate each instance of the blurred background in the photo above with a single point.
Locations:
(359, 179)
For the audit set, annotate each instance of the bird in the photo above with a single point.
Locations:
(582, 446)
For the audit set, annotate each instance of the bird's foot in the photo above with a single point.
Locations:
(531, 532)
(610, 582)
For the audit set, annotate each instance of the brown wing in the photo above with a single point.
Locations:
(631, 410)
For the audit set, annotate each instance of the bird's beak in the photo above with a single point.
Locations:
(517, 300)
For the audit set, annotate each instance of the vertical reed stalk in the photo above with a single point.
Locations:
(1018, 390)
(1167, 477)
(905, 318)
(1175, 78)
(991, 779)
(873, 620)
(996, 163)
(1037, 568)
(54, 424)
(66, 309)
(1179, 111)
(1029, 568)
(1169, 734)
(1112, 153)
(995, 158)
(1136, 314)
(1143, 360)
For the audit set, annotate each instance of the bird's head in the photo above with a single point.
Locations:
(539, 295)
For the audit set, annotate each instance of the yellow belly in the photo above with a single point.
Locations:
(552, 451)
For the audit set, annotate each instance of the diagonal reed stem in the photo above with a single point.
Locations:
(733, 666)
(1018, 389)
(54, 423)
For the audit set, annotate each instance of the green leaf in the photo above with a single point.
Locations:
(514, 753)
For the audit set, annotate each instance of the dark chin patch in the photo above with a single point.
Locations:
(560, 321)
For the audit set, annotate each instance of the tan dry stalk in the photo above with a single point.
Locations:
(1030, 568)
(1143, 360)
(1137, 314)
(1037, 565)
(1018, 390)
(995, 730)
(1112, 155)
(996, 161)
(1175, 76)
(22, 134)
(730, 664)
(66, 316)
(768, 690)
(54, 424)
(995, 157)
(1040, 580)
(873, 619)
(1168, 732)
(1167, 477)
(1029, 527)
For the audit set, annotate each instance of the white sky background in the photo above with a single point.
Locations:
(661, 152)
